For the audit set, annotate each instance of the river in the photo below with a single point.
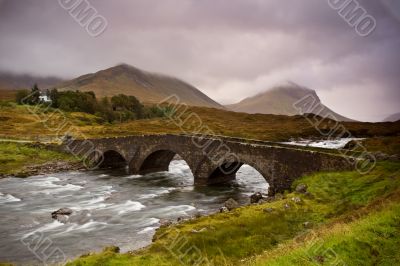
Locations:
(109, 207)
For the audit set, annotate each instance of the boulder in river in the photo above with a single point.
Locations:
(61, 215)
(231, 204)
(351, 145)
(256, 197)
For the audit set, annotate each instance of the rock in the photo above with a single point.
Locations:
(223, 209)
(47, 168)
(165, 223)
(306, 224)
(394, 158)
(61, 215)
(268, 210)
(197, 215)
(262, 201)
(231, 204)
(112, 249)
(286, 206)
(296, 199)
(301, 188)
(256, 197)
(62, 211)
(24, 174)
(351, 145)
(380, 156)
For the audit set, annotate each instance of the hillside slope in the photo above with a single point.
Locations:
(9, 81)
(279, 101)
(146, 86)
(392, 118)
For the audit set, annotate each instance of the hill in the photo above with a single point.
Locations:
(10, 81)
(392, 118)
(18, 122)
(146, 86)
(279, 101)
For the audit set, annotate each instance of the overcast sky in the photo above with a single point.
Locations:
(229, 49)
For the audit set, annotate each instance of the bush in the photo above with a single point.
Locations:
(119, 108)
(21, 96)
(26, 97)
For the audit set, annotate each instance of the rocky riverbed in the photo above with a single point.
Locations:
(47, 168)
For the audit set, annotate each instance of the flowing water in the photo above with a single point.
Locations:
(109, 208)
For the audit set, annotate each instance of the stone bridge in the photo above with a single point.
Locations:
(212, 159)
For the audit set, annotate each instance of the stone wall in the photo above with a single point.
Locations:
(211, 160)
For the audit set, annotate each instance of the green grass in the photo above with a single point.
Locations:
(14, 157)
(240, 236)
(371, 240)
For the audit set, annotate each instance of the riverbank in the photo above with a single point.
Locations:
(28, 159)
(335, 201)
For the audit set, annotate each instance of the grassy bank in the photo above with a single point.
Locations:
(15, 158)
(371, 240)
(19, 122)
(339, 204)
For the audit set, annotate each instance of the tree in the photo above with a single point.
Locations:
(125, 103)
(22, 96)
(34, 96)
(136, 107)
(54, 96)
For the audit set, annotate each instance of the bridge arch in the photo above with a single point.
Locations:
(113, 159)
(156, 159)
(226, 172)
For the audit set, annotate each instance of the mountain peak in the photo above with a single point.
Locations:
(293, 90)
(148, 87)
(280, 100)
(124, 66)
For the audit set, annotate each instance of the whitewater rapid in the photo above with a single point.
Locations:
(109, 207)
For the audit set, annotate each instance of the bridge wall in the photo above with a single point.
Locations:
(280, 166)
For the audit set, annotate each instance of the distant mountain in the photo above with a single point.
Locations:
(392, 118)
(279, 100)
(10, 81)
(146, 86)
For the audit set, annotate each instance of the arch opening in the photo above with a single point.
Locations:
(250, 179)
(244, 175)
(112, 159)
(157, 161)
(225, 173)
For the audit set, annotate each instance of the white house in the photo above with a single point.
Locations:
(44, 98)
